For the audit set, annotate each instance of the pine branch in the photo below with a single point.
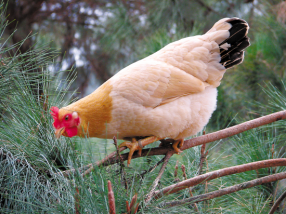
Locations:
(190, 189)
(277, 203)
(88, 168)
(203, 158)
(228, 190)
(155, 183)
(219, 173)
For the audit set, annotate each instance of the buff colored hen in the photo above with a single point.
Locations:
(169, 94)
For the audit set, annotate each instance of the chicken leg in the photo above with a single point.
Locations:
(135, 145)
(177, 145)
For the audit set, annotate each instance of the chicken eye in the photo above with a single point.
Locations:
(67, 117)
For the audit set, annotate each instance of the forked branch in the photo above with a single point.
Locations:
(228, 190)
(219, 173)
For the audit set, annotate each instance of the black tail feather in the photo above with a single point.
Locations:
(237, 40)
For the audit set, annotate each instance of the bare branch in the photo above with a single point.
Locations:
(123, 173)
(190, 189)
(203, 158)
(90, 167)
(104, 160)
(151, 168)
(277, 203)
(176, 172)
(228, 190)
(219, 173)
(234, 130)
(155, 183)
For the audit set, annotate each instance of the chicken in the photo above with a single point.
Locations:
(169, 94)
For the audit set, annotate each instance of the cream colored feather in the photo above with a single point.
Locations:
(169, 94)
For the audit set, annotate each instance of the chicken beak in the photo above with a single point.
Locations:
(59, 132)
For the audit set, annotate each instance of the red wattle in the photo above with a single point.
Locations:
(71, 132)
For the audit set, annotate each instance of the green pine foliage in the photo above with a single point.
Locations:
(32, 159)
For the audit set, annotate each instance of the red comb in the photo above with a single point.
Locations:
(55, 113)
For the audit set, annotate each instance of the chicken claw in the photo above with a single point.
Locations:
(177, 145)
(135, 145)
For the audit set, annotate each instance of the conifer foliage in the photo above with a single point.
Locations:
(34, 164)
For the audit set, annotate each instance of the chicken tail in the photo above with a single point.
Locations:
(232, 48)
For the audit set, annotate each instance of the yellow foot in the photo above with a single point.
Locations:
(135, 145)
(177, 145)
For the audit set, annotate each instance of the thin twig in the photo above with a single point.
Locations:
(190, 189)
(104, 160)
(123, 173)
(219, 173)
(176, 170)
(203, 157)
(111, 199)
(176, 173)
(272, 152)
(277, 203)
(228, 190)
(90, 166)
(156, 181)
(151, 168)
(117, 151)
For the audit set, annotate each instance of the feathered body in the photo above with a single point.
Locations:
(169, 94)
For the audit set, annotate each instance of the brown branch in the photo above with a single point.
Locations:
(219, 173)
(225, 133)
(203, 158)
(111, 199)
(117, 151)
(190, 189)
(234, 130)
(228, 190)
(104, 160)
(176, 173)
(176, 170)
(123, 173)
(151, 168)
(277, 203)
(155, 183)
(90, 167)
